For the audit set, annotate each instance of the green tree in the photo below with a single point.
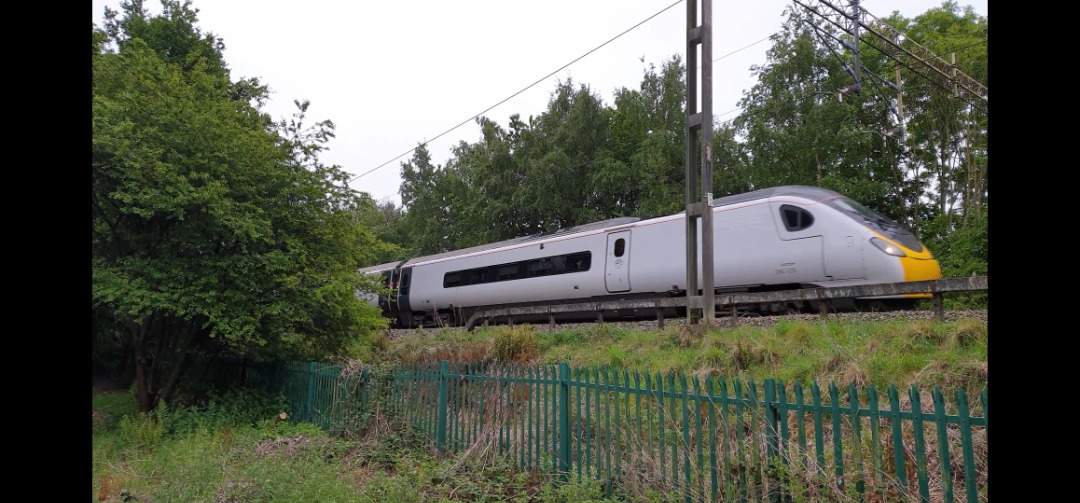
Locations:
(215, 231)
(427, 216)
(797, 131)
(570, 137)
(386, 221)
(651, 122)
(948, 135)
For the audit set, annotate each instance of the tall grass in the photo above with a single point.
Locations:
(245, 455)
(900, 352)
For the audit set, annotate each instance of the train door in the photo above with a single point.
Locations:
(843, 256)
(617, 265)
(404, 312)
(386, 298)
(799, 255)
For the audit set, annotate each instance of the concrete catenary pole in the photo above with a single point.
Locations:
(701, 303)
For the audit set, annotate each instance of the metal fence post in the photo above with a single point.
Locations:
(564, 421)
(310, 405)
(772, 442)
(440, 416)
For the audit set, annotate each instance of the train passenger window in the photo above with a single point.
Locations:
(620, 247)
(508, 271)
(452, 279)
(476, 276)
(539, 267)
(546, 266)
(578, 262)
(796, 218)
(558, 265)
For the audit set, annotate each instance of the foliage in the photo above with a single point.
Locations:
(512, 181)
(585, 491)
(222, 410)
(514, 344)
(215, 230)
(962, 249)
(110, 406)
(227, 457)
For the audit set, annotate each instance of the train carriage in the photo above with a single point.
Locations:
(772, 239)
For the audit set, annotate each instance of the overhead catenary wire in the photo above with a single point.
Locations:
(398, 193)
(816, 28)
(732, 53)
(871, 42)
(545, 77)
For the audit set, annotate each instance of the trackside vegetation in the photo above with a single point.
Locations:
(216, 230)
(951, 354)
(234, 445)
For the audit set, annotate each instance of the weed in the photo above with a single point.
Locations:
(795, 332)
(967, 333)
(514, 344)
(616, 357)
(920, 333)
(140, 431)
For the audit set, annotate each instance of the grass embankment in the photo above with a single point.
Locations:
(925, 353)
(233, 447)
(234, 450)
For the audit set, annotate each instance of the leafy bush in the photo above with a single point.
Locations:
(141, 431)
(231, 409)
(586, 491)
(517, 343)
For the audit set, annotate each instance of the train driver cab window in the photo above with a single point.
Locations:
(796, 218)
(620, 247)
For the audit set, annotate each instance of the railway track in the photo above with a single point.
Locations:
(742, 320)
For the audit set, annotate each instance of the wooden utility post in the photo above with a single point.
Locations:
(701, 304)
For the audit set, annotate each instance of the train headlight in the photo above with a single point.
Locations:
(888, 247)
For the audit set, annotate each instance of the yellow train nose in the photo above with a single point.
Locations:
(920, 269)
(920, 266)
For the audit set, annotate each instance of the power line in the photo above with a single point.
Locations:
(743, 48)
(628, 30)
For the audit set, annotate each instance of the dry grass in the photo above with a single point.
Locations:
(967, 333)
(111, 485)
(919, 333)
(853, 372)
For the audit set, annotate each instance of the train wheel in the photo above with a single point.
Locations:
(445, 319)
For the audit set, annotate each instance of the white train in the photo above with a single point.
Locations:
(771, 239)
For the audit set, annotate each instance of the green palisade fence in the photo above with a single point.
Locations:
(698, 439)
(335, 398)
(705, 440)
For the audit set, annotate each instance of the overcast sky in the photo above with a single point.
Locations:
(393, 74)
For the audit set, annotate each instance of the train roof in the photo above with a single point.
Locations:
(381, 267)
(815, 193)
(807, 191)
(603, 224)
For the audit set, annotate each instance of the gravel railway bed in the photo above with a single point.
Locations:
(751, 321)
